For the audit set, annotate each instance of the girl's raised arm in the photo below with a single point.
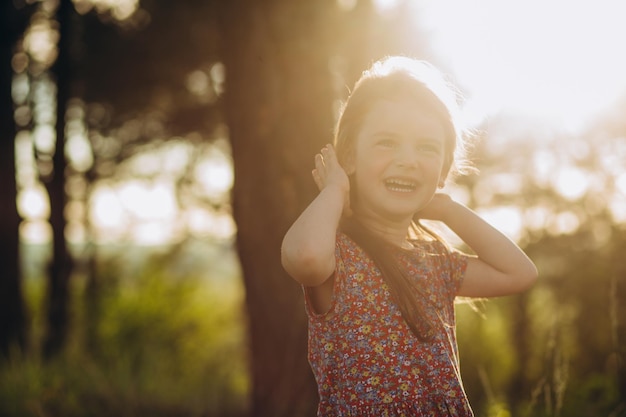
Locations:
(500, 266)
(308, 248)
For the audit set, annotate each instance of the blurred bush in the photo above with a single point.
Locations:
(158, 343)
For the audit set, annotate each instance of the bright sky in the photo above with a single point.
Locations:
(559, 61)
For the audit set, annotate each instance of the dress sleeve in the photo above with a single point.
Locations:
(342, 249)
(457, 264)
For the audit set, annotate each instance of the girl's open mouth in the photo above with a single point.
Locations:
(400, 185)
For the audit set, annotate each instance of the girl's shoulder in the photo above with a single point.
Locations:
(345, 243)
(433, 251)
(438, 259)
(430, 246)
(350, 257)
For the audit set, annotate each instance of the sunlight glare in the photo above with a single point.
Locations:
(33, 204)
(153, 232)
(168, 159)
(146, 163)
(41, 41)
(106, 209)
(35, 231)
(199, 221)
(506, 219)
(203, 223)
(497, 184)
(618, 209)
(544, 164)
(26, 173)
(119, 9)
(384, 5)
(176, 157)
(215, 174)
(148, 201)
(79, 153)
(20, 88)
(620, 183)
(223, 226)
(218, 77)
(198, 83)
(571, 183)
(536, 218)
(44, 138)
(555, 61)
(564, 223)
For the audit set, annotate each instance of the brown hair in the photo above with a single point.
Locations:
(390, 79)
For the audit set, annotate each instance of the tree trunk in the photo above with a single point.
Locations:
(520, 337)
(278, 106)
(12, 316)
(60, 266)
(617, 314)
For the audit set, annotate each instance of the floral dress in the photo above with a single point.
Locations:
(364, 357)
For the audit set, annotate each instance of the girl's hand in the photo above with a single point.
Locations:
(308, 248)
(499, 266)
(436, 208)
(329, 173)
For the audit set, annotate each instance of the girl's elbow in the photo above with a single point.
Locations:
(307, 267)
(528, 278)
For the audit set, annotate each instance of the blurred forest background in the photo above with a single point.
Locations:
(154, 152)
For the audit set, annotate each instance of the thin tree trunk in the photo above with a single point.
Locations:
(617, 314)
(12, 314)
(60, 266)
(278, 108)
(520, 336)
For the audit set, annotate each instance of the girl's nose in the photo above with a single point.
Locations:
(407, 158)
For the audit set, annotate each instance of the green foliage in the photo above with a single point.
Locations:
(554, 351)
(159, 343)
(595, 395)
(488, 360)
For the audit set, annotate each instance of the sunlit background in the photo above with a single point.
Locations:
(547, 67)
(544, 86)
(553, 64)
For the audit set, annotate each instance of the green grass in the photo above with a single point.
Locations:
(156, 344)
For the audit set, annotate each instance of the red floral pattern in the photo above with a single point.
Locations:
(365, 359)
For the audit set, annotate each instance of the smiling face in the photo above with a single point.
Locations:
(398, 160)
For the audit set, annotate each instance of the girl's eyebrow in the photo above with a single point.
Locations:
(420, 139)
(430, 139)
(385, 133)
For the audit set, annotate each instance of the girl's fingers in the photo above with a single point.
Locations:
(317, 179)
(319, 173)
(327, 167)
(319, 163)
(328, 152)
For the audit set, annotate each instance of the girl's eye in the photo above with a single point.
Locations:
(429, 147)
(386, 143)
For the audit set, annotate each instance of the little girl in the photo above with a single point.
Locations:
(379, 286)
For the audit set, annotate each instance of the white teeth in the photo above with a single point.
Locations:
(402, 182)
(400, 185)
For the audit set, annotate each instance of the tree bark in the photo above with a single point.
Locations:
(12, 313)
(520, 337)
(278, 107)
(617, 314)
(60, 265)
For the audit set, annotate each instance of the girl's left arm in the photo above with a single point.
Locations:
(500, 267)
